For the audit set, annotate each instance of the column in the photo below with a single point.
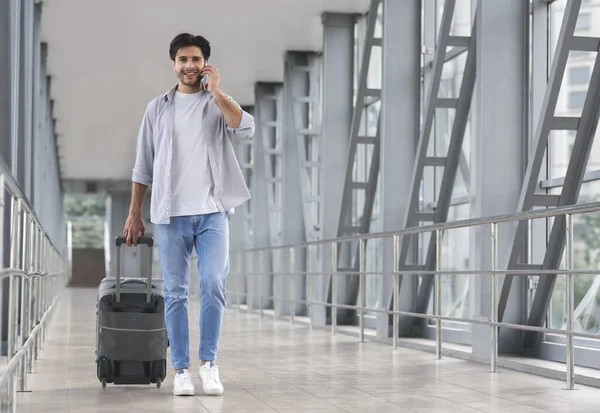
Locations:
(264, 231)
(338, 75)
(28, 48)
(399, 137)
(15, 70)
(501, 130)
(5, 82)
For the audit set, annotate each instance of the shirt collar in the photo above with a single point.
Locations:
(169, 95)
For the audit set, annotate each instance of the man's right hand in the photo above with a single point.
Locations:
(133, 227)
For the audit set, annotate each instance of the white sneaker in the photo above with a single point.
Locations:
(182, 383)
(209, 375)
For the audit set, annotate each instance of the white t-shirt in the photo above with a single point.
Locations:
(191, 179)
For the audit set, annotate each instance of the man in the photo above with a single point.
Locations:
(184, 152)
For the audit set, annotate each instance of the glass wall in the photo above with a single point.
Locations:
(455, 288)
(571, 99)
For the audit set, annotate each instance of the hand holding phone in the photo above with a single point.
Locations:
(211, 79)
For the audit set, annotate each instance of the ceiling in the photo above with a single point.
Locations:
(109, 58)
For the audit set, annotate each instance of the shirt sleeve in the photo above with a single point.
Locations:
(144, 159)
(247, 125)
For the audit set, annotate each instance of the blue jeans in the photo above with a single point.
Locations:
(209, 235)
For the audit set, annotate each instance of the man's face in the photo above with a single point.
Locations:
(188, 63)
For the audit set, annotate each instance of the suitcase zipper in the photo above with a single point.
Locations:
(132, 329)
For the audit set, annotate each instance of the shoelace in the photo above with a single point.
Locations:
(211, 373)
(184, 378)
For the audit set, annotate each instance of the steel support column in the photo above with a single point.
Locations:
(400, 110)
(5, 81)
(269, 174)
(37, 95)
(303, 149)
(338, 74)
(28, 81)
(15, 29)
(242, 229)
(501, 129)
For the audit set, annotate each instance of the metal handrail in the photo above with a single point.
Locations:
(32, 338)
(15, 189)
(570, 272)
(37, 275)
(465, 223)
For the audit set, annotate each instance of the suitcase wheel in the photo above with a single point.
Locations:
(158, 382)
(103, 383)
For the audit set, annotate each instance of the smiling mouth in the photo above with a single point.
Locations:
(189, 74)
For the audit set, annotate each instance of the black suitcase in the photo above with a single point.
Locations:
(131, 339)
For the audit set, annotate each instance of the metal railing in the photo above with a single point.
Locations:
(437, 230)
(36, 275)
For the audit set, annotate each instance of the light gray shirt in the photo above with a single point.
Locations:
(153, 163)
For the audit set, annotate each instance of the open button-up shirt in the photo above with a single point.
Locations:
(154, 152)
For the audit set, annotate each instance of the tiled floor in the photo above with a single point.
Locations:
(270, 366)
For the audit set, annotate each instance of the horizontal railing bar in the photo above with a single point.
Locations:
(514, 217)
(428, 316)
(7, 272)
(433, 272)
(9, 369)
(15, 189)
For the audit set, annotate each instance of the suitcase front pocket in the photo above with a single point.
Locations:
(132, 336)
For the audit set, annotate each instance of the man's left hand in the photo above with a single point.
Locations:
(214, 79)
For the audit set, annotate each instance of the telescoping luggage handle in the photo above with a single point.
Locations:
(120, 240)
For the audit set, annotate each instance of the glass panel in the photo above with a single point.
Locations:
(455, 257)
(373, 264)
(586, 249)
(574, 85)
(456, 244)
(586, 256)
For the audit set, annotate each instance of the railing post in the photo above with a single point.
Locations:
(24, 301)
(361, 288)
(32, 278)
(239, 280)
(38, 288)
(494, 309)
(570, 303)
(261, 274)
(2, 209)
(396, 294)
(45, 284)
(14, 263)
(311, 290)
(334, 287)
(250, 280)
(292, 279)
(438, 293)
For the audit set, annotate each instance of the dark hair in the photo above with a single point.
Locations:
(186, 40)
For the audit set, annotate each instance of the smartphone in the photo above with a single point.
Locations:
(204, 80)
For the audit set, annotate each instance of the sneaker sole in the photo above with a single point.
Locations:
(183, 393)
(213, 392)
